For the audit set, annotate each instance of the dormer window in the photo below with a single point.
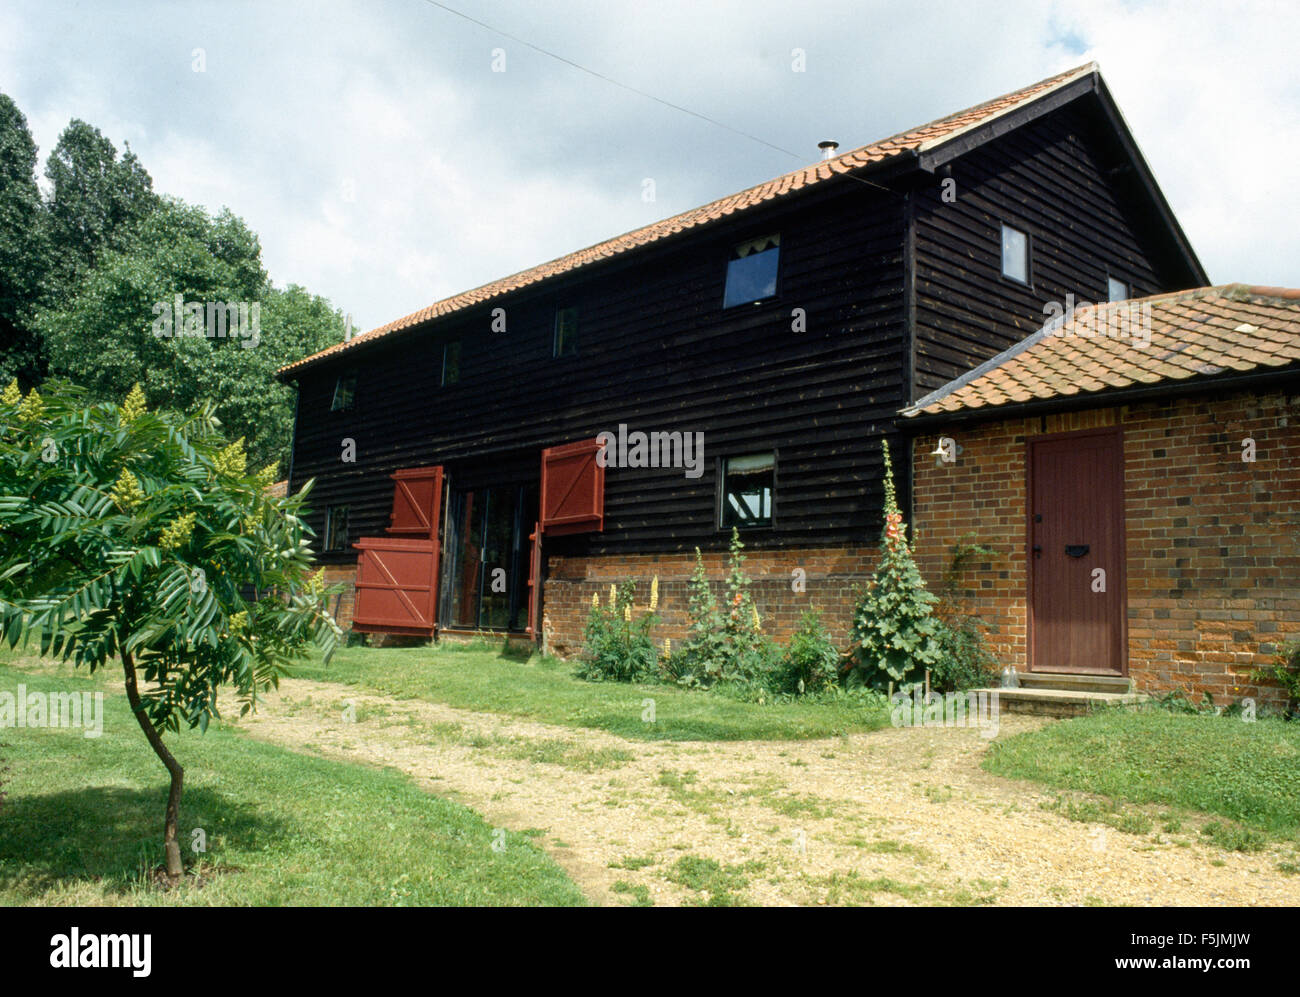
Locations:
(751, 271)
(1015, 254)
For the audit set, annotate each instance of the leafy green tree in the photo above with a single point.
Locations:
(894, 634)
(96, 200)
(23, 248)
(111, 333)
(142, 536)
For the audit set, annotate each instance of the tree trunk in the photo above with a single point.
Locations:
(171, 846)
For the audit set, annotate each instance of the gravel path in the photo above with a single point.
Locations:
(889, 817)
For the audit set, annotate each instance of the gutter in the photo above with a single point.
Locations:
(1105, 399)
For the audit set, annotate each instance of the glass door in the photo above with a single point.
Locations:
(485, 567)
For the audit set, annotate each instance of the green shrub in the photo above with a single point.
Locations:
(811, 664)
(965, 661)
(1285, 671)
(725, 643)
(895, 635)
(617, 645)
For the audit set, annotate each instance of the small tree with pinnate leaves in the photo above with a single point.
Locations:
(142, 536)
(895, 635)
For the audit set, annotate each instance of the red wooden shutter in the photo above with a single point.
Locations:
(573, 489)
(396, 585)
(417, 498)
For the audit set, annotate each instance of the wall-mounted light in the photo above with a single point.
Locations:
(947, 451)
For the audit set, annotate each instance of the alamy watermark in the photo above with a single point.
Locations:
(178, 318)
(1116, 320)
(102, 951)
(53, 709)
(978, 708)
(655, 449)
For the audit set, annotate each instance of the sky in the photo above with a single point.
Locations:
(390, 153)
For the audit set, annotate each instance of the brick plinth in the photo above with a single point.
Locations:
(828, 582)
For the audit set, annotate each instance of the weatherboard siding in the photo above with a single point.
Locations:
(657, 352)
(1053, 179)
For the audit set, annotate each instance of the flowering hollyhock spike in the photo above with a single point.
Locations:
(893, 527)
(895, 531)
(891, 500)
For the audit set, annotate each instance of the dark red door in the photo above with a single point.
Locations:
(1076, 553)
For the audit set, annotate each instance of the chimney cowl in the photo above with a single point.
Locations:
(828, 148)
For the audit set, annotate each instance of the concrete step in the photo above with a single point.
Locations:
(1061, 702)
(1076, 681)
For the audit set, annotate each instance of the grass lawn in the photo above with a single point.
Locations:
(1246, 772)
(479, 677)
(83, 820)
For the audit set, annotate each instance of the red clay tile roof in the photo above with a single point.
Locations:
(865, 156)
(1234, 328)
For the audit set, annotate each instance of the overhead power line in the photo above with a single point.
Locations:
(631, 89)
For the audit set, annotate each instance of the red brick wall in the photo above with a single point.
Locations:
(830, 576)
(1213, 559)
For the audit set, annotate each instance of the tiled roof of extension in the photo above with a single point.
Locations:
(867, 155)
(1199, 334)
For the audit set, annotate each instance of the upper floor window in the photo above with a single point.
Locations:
(748, 485)
(751, 271)
(1015, 254)
(345, 393)
(566, 332)
(451, 362)
(336, 527)
(1116, 290)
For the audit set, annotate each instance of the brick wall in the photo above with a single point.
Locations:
(829, 577)
(1213, 560)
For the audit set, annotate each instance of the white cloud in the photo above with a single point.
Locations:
(462, 175)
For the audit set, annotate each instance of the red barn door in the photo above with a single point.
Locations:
(397, 574)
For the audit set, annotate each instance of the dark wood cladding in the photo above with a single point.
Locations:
(902, 292)
(1065, 180)
(657, 352)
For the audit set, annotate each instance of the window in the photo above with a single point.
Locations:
(450, 363)
(336, 527)
(566, 332)
(345, 393)
(751, 271)
(1116, 290)
(1015, 254)
(747, 487)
